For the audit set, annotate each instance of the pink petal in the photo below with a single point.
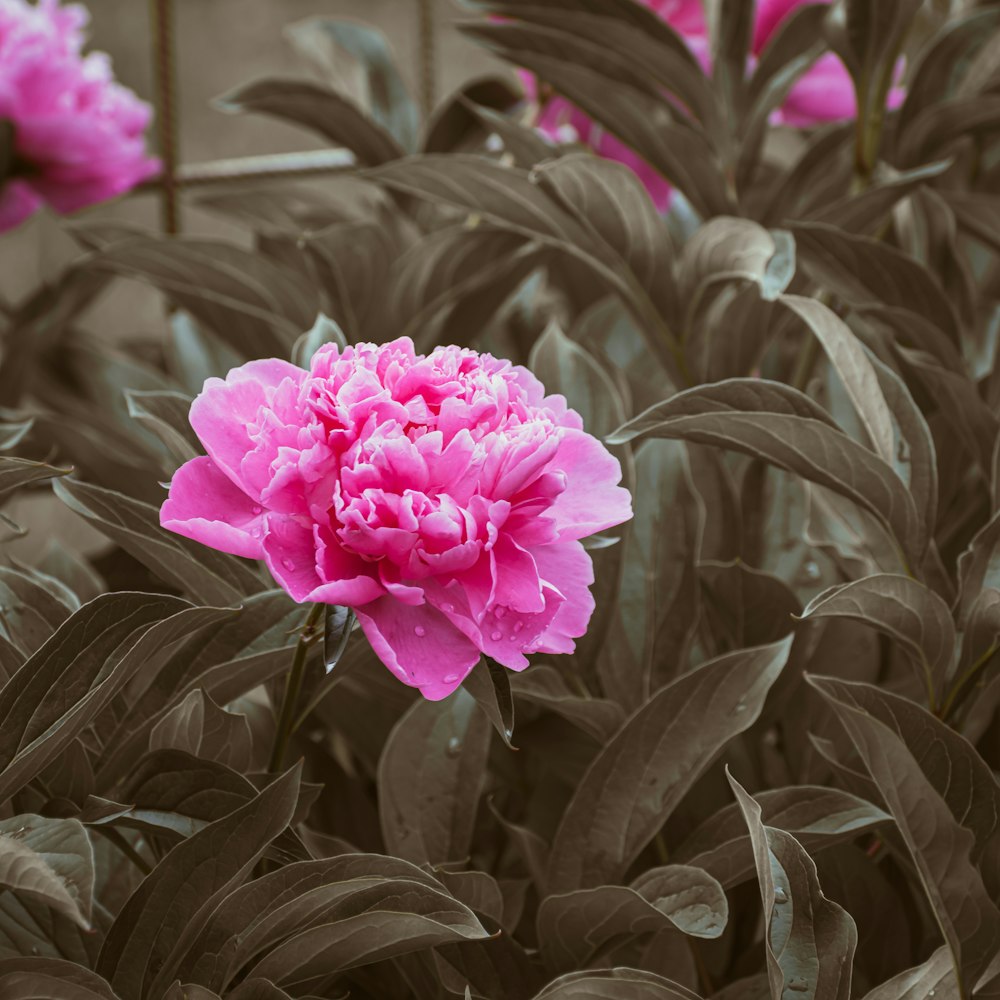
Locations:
(349, 580)
(221, 412)
(516, 584)
(507, 635)
(592, 501)
(569, 568)
(205, 506)
(290, 553)
(419, 645)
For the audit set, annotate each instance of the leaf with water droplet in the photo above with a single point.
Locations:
(810, 939)
(430, 777)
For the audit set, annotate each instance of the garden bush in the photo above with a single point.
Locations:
(750, 754)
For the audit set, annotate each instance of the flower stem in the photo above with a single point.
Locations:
(293, 686)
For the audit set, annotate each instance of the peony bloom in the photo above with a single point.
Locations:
(78, 135)
(441, 497)
(825, 93)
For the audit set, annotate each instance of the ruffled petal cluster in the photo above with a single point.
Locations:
(443, 497)
(78, 134)
(824, 93)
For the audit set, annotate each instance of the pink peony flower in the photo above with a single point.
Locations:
(78, 135)
(825, 93)
(441, 497)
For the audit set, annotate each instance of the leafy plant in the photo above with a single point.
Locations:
(768, 771)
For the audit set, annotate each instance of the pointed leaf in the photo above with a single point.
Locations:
(639, 777)
(810, 940)
(940, 847)
(171, 906)
(50, 861)
(430, 777)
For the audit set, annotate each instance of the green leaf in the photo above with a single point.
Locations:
(909, 613)
(609, 199)
(941, 847)
(430, 777)
(165, 414)
(489, 684)
(61, 688)
(657, 606)
(774, 422)
(615, 984)
(49, 861)
(51, 979)
(18, 472)
(545, 687)
(203, 729)
(574, 925)
(209, 576)
(933, 978)
(319, 109)
(866, 272)
(810, 940)
(254, 305)
(566, 368)
(315, 913)
(817, 818)
(325, 41)
(169, 910)
(643, 772)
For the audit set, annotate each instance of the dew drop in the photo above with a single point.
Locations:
(256, 510)
(780, 896)
(811, 570)
(454, 747)
(496, 636)
(450, 678)
(288, 564)
(798, 985)
(499, 611)
(419, 631)
(447, 607)
(740, 707)
(518, 626)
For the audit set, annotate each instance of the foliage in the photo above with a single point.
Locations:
(769, 769)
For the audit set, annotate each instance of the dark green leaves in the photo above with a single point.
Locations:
(166, 915)
(774, 422)
(809, 939)
(430, 777)
(49, 861)
(639, 777)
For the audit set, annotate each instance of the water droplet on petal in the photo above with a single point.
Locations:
(447, 607)
(454, 747)
(500, 611)
(288, 564)
(496, 636)
(518, 626)
(450, 678)
(419, 631)
(255, 510)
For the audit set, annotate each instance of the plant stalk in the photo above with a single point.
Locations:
(293, 687)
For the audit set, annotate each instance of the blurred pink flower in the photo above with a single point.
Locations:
(441, 497)
(78, 135)
(824, 93)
